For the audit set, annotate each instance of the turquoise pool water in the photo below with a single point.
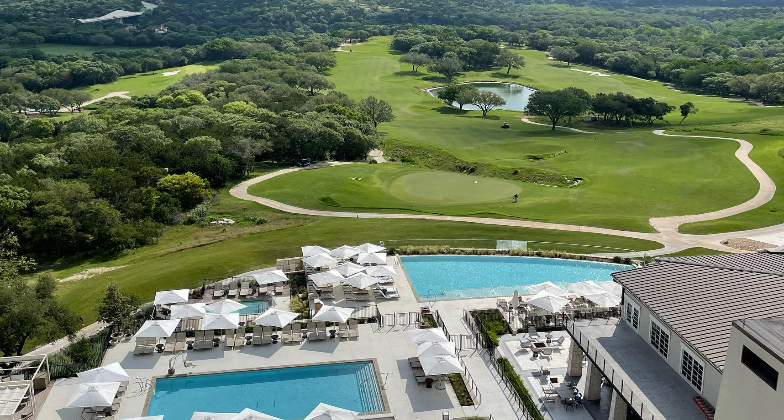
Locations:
(443, 277)
(288, 393)
(253, 306)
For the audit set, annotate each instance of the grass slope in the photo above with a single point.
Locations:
(146, 83)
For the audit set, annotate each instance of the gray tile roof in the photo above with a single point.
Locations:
(699, 297)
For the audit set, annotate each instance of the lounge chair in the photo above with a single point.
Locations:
(245, 289)
(312, 335)
(218, 291)
(343, 330)
(296, 333)
(414, 362)
(232, 290)
(208, 340)
(501, 303)
(525, 343)
(180, 342)
(353, 328)
(532, 332)
(141, 345)
(547, 351)
(321, 331)
(171, 341)
(256, 336)
(559, 342)
(239, 337)
(262, 290)
(285, 335)
(266, 335)
(230, 334)
(197, 339)
(388, 292)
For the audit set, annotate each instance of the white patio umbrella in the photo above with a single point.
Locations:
(330, 412)
(612, 287)
(311, 250)
(548, 286)
(320, 260)
(349, 269)
(158, 328)
(203, 415)
(248, 414)
(225, 306)
(166, 297)
(440, 365)
(344, 252)
(361, 281)
(427, 335)
(220, 321)
(374, 258)
(437, 348)
(191, 310)
(93, 394)
(371, 248)
(268, 277)
(275, 318)
(144, 418)
(583, 288)
(326, 278)
(547, 301)
(381, 271)
(604, 299)
(333, 314)
(109, 373)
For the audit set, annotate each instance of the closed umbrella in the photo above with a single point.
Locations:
(547, 286)
(248, 414)
(612, 287)
(109, 373)
(437, 348)
(269, 277)
(371, 248)
(361, 281)
(427, 335)
(275, 318)
(320, 260)
(381, 271)
(188, 310)
(333, 314)
(349, 269)
(515, 300)
(93, 394)
(311, 250)
(167, 297)
(326, 278)
(585, 288)
(375, 258)
(547, 301)
(220, 321)
(224, 306)
(203, 415)
(604, 299)
(440, 365)
(159, 328)
(344, 252)
(330, 412)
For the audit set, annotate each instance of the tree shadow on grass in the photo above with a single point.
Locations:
(488, 117)
(449, 110)
(438, 79)
(558, 64)
(503, 75)
(408, 73)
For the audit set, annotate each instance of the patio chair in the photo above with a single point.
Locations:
(559, 342)
(209, 336)
(239, 337)
(197, 339)
(141, 345)
(296, 333)
(532, 332)
(353, 329)
(525, 343)
(256, 336)
(245, 289)
(171, 341)
(232, 293)
(263, 290)
(343, 330)
(180, 342)
(311, 332)
(218, 291)
(547, 351)
(362, 296)
(285, 334)
(388, 293)
(230, 334)
(321, 331)
(414, 362)
(266, 335)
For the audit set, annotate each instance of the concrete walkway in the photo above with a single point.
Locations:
(576, 130)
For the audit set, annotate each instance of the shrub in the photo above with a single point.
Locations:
(461, 391)
(197, 214)
(530, 405)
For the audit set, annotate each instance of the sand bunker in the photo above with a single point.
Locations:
(170, 73)
(592, 73)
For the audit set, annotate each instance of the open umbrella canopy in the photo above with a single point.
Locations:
(349, 269)
(320, 260)
(268, 277)
(326, 278)
(330, 412)
(440, 365)
(547, 286)
(372, 258)
(166, 297)
(158, 328)
(248, 414)
(547, 301)
(275, 318)
(311, 250)
(381, 271)
(333, 314)
(612, 287)
(109, 373)
(220, 321)
(225, 306)
(93, 394)
(585, 288)
(437, 348)
(203, 415)
(344, 252)
(361, 281)
(191, 310)
(604, 299)
(427, 335)
(371, 248)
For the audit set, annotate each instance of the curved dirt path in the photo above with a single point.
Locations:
(576, 130)
(122, 94)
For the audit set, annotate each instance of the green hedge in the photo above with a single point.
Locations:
(517, 383)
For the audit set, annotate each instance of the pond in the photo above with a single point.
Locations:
(516, 95)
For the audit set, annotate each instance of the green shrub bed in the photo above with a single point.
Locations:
(517, 383)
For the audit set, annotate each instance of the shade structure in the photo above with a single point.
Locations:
(585, 288)
(515, 300)
(320, 260)
(109, 373)
(547, 301)
(275, 318)
(311, 250)
(381, 271)
(372, 258)
(203, 415)
(144, 418)
(371, 248)
(333, 314)
(440, 365)
(349, 269)
(427, 335)
(268, 277)
(344, 252)
(604, 299)
(330, 412)
(158, 328)
(437, 348)
(225, 306)
(612, 287)
(326, 278)
(167, 297)
(220, 321)
(248, 414)
(361, 281)
(94, 394)
(548, 286)
(191, 310)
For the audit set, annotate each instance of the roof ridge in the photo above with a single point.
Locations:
(682, 260)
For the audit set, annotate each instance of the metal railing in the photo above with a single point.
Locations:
(61, 365)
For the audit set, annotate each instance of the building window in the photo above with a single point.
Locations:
(660, 338)
(633, 314)
(692, 369)
(765, 371)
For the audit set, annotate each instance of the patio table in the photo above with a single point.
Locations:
(564, 392)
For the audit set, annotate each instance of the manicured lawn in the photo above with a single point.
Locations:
(146, 83)
(688, 252)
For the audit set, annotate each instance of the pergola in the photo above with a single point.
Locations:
(21, 377)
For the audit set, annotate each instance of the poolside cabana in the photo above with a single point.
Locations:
(22, 376)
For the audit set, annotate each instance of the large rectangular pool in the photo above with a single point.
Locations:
(443, 277)
(288, 393)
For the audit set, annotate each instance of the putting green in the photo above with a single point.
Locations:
(428, 187)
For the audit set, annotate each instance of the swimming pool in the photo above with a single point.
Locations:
(443, 277)
(288, 393)
(253, 306)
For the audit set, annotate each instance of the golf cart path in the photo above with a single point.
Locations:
(576, 130)
(121, 94)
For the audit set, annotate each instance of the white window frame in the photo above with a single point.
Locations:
(664, 330)
(698, 360)
(630, 314)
